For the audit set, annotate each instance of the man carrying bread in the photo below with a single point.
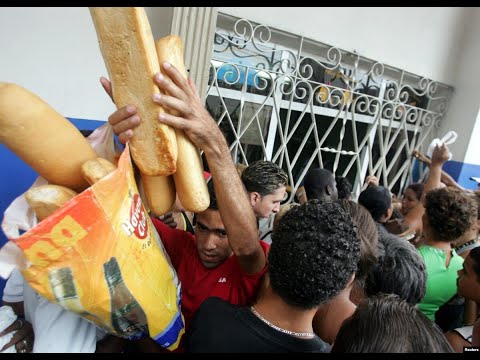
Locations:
(225, 257)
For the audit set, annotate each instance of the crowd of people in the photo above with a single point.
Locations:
(334, 274)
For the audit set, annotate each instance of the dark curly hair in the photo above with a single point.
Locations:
(368, 234)
(388, 324)
(313, 254)
(263, 177)
(450, 212)
(344, 187)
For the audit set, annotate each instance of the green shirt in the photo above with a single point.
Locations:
(441, 280)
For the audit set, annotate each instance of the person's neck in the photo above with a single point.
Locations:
(444, 245)
(273, 309)
(341, 303)
(469, 235)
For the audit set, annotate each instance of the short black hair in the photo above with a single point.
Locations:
(388, 324)
(213, 197)
(377, 200)
(314, 253)
(264, 177)
(344, 187)
(315, 182)
(400, 269)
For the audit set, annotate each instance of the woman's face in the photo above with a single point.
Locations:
(467, 282)
(409, 201)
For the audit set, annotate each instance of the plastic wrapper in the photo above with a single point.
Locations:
(100, 256)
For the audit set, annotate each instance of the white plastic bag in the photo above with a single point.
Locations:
(447, 139)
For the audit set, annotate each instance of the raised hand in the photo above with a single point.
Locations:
(192, 117)
(440, 155)
(123, 120)
(372, 180)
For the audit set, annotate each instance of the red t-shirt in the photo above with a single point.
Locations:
(227, 281)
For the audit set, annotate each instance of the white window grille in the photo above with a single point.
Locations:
(302, 104)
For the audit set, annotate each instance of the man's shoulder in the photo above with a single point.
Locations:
(214, 309)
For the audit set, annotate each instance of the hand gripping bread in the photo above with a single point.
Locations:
(42, 137)
(95, 169)
(128, 48)
(159, 192)
(189, 181)
(46, 199)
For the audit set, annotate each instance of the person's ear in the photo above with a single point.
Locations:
(328, 190)
(389, 213)
(350, 282)
(254, 197)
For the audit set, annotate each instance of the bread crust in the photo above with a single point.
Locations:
(42, 138)
(189, 181)
(46, 199)
(159, 192)
(95, 169)
(128, 48)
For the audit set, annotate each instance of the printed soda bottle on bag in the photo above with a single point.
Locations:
(128, 316)
(65, 292)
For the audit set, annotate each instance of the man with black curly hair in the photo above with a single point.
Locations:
(313, 256)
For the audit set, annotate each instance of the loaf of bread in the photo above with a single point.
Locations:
(95, 169)
(189, 181)
(128, 48)
(46, 199)
(42, 137)
(159, 193)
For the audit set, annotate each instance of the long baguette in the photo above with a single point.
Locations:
(128, 48)
(159, 192)
(42, 137)
(189, 181)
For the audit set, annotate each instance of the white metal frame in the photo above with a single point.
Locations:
(394, 126)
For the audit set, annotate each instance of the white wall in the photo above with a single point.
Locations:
(416, 39)
(439, 43)
(54, 53)
(463, 110)
(473, 152)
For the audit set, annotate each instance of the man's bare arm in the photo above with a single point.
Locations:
(235, 209)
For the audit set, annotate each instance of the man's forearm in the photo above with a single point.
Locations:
(235, 209)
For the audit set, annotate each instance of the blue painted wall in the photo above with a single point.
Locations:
(462, 172)
(16, 176)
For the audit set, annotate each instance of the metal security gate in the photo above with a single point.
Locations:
(302, 104)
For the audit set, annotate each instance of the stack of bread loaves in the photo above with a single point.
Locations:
(49, 143)
(159, 151)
